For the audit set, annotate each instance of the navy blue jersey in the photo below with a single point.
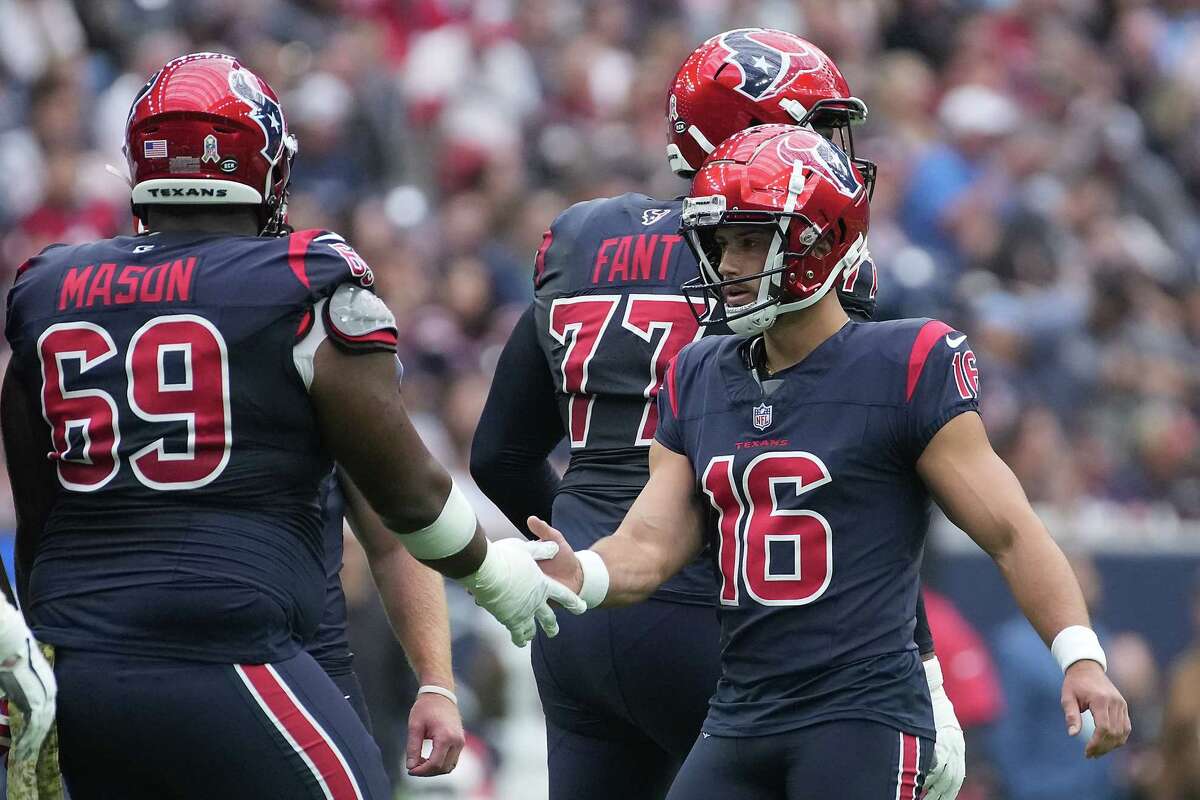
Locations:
(330, 646)
(186, 446)
(818, 516)
(610, 317)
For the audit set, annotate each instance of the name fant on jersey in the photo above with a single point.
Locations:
(110, 284)
(641, 257)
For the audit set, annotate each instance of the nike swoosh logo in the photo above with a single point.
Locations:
(955, 341)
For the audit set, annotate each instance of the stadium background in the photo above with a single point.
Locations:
(1039, 172)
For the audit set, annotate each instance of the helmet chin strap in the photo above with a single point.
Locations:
(764, 318)
(768, 288)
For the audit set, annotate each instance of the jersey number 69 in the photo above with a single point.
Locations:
(84, 424)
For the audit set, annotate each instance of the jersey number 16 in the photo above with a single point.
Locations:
(752, 525)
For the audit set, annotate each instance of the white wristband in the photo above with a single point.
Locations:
(430, 688)
(1077, 643)
(446, 535)
(595, 578)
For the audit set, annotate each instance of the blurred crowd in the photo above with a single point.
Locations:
(1039, 166)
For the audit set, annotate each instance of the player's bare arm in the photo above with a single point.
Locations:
(367, 431)
(415, 601)
(662, 532)
(980, 494)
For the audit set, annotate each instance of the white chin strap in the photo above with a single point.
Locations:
(764, 318)
(752, 324)
(679, 164)
(758, 321)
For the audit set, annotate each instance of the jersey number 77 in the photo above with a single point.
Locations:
(581, 323)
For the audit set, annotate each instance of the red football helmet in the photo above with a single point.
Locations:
(756, 76)
(809, 192)
(204, 129)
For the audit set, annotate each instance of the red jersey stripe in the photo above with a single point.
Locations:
(297, 248)
(672, 395)
(926, 338)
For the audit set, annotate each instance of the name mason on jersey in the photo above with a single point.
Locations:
(111, 284)
(633, 258)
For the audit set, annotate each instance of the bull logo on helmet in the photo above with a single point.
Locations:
(263, 110)
(767, 68)
(825, 158)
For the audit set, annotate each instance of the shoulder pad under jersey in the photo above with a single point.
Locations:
(352, 317)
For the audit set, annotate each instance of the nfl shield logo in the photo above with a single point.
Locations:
(762, 416)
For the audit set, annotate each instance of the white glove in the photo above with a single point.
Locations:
(950, 751)
(513, 589)
(27, 680)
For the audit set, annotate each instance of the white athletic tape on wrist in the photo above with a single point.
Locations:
(595, 578)
(933, 673)
(446, 535)
(1077, 643)
(430, 688)
(492, 571)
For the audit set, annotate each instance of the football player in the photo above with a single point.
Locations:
(415, 601)
(806, 450)
(193, 386)
(585, 361)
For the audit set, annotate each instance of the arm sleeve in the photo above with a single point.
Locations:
(519, 427)
(669, 433)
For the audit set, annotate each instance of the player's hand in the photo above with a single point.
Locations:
(564, 567)
(435, 718)
(27, 681)
(1085, 686)
(950, 750)
(509, 585)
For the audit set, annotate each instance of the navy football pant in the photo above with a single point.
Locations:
(843, 759)
(347, 683)
(625, 692)
(149, 728)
